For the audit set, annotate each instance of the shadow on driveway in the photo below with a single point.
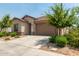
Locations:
(43, 42)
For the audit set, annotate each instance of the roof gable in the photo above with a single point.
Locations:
(15, 18)
(27, 16)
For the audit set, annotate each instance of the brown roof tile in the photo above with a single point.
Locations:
(15, 18)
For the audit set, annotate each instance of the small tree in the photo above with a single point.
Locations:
(61, 17)
(5, 23)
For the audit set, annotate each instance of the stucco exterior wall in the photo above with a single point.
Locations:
(30, 21)
(23, 27)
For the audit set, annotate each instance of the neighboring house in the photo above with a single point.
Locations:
(35, 26)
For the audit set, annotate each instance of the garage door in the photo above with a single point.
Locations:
(45, 29)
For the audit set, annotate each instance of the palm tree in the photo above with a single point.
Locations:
(61, 17)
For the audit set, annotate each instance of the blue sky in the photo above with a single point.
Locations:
(32, 9)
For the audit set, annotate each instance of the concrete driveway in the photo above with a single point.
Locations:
(25, 46)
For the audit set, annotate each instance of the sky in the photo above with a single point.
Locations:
(32, 9)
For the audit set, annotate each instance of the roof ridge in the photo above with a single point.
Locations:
(28, 16)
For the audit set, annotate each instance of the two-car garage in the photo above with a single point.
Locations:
(43, 28)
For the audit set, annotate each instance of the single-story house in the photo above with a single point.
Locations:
(29, 25)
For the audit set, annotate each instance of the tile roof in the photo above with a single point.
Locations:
(28, 16)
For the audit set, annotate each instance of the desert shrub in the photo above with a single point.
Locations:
(52, 38)
(61, 41)
(73, 37)
(13, 34)
(5, 33)
(74, 43)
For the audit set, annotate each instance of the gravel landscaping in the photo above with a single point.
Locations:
(66, 50)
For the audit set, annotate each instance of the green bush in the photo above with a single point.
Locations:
(74, 33)
(4, 33)
(13, 34)
(61, 41)
(1, 34)
(73, 38)
(74, 43)
(52, 38)
(69, 38)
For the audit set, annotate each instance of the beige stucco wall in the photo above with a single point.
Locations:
(23, 26)
(31, 21)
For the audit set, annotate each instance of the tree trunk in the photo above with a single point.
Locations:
(62, 31)
(58, 31)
